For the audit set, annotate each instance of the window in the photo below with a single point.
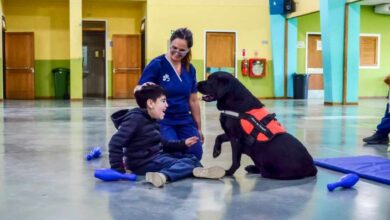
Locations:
(85, 57)
(369, 51)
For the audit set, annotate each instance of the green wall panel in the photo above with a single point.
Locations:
(371, 80)
(306, 23)
(260, 87)
(199, 66)
(76, 78)
(44, 84)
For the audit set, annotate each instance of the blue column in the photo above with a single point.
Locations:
(277, 36)
(332, 30)
(352, 78)
(291, 53)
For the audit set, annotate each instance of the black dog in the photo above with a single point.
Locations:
(276, 154)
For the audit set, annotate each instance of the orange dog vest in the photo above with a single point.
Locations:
(260, 124)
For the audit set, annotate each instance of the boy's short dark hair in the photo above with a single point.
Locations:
(146, 92)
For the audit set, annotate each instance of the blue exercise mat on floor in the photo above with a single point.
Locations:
(370, 167)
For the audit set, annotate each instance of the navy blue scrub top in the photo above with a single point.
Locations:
(178, 88)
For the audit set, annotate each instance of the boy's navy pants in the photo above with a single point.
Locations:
(174, 166)
(384, 126)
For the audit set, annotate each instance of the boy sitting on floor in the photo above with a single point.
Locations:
(138, 139)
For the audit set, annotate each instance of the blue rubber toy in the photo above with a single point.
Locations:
(112, 175)
(346, 181)
(95, 153)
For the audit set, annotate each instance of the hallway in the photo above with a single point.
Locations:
(43, 174)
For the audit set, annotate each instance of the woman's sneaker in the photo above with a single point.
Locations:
(155, 178)
(209, 173)
(377, 138)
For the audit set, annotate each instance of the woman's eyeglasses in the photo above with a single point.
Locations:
(181, 52)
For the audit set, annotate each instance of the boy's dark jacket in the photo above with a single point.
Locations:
(137, 139)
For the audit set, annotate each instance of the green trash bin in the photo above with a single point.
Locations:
(61, 83)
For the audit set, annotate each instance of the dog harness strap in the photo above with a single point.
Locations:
(259, 128)
(267, 119)
(260, 124)
(230, 113)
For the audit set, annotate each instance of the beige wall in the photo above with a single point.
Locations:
(49, 20)
(122, 17)
(249, 18)
(303, 7)
(75, 21)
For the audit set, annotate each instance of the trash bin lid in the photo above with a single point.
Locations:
(60, 69)
(301, 75)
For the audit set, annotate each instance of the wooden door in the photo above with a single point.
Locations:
(314, 62)
(220, 52)
(19, 65)
(126, 59)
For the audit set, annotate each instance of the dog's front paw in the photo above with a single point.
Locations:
(216, 151)
(229, 173)
(252, 169)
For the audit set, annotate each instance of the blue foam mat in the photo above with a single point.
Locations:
(370, 167)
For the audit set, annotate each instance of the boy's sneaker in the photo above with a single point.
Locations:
(155, 178)
(377, 138)
(210, 173)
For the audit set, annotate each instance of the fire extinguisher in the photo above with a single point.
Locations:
(244, 64)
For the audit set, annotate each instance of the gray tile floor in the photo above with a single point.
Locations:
(43, 174)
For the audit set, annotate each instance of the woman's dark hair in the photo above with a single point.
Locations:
(185, 34)
(152, 92)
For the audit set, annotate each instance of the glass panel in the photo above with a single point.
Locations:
(85, 57)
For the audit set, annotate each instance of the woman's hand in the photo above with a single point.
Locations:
(201, 136)
(138, 87)
(191, 141)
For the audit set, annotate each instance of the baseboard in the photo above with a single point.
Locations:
(275, 98)
(44, 97)
(315, 94)
(373, 97)
(351, 103)
(333, 103)
(339, 103)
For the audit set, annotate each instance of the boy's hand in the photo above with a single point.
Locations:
(191, 141)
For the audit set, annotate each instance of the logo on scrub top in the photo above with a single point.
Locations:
(166, 78)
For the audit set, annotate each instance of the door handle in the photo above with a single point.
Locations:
(20, 68)
(126, 68)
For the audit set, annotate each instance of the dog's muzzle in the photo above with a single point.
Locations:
(208, 98)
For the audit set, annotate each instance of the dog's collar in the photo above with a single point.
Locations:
(231, 113)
